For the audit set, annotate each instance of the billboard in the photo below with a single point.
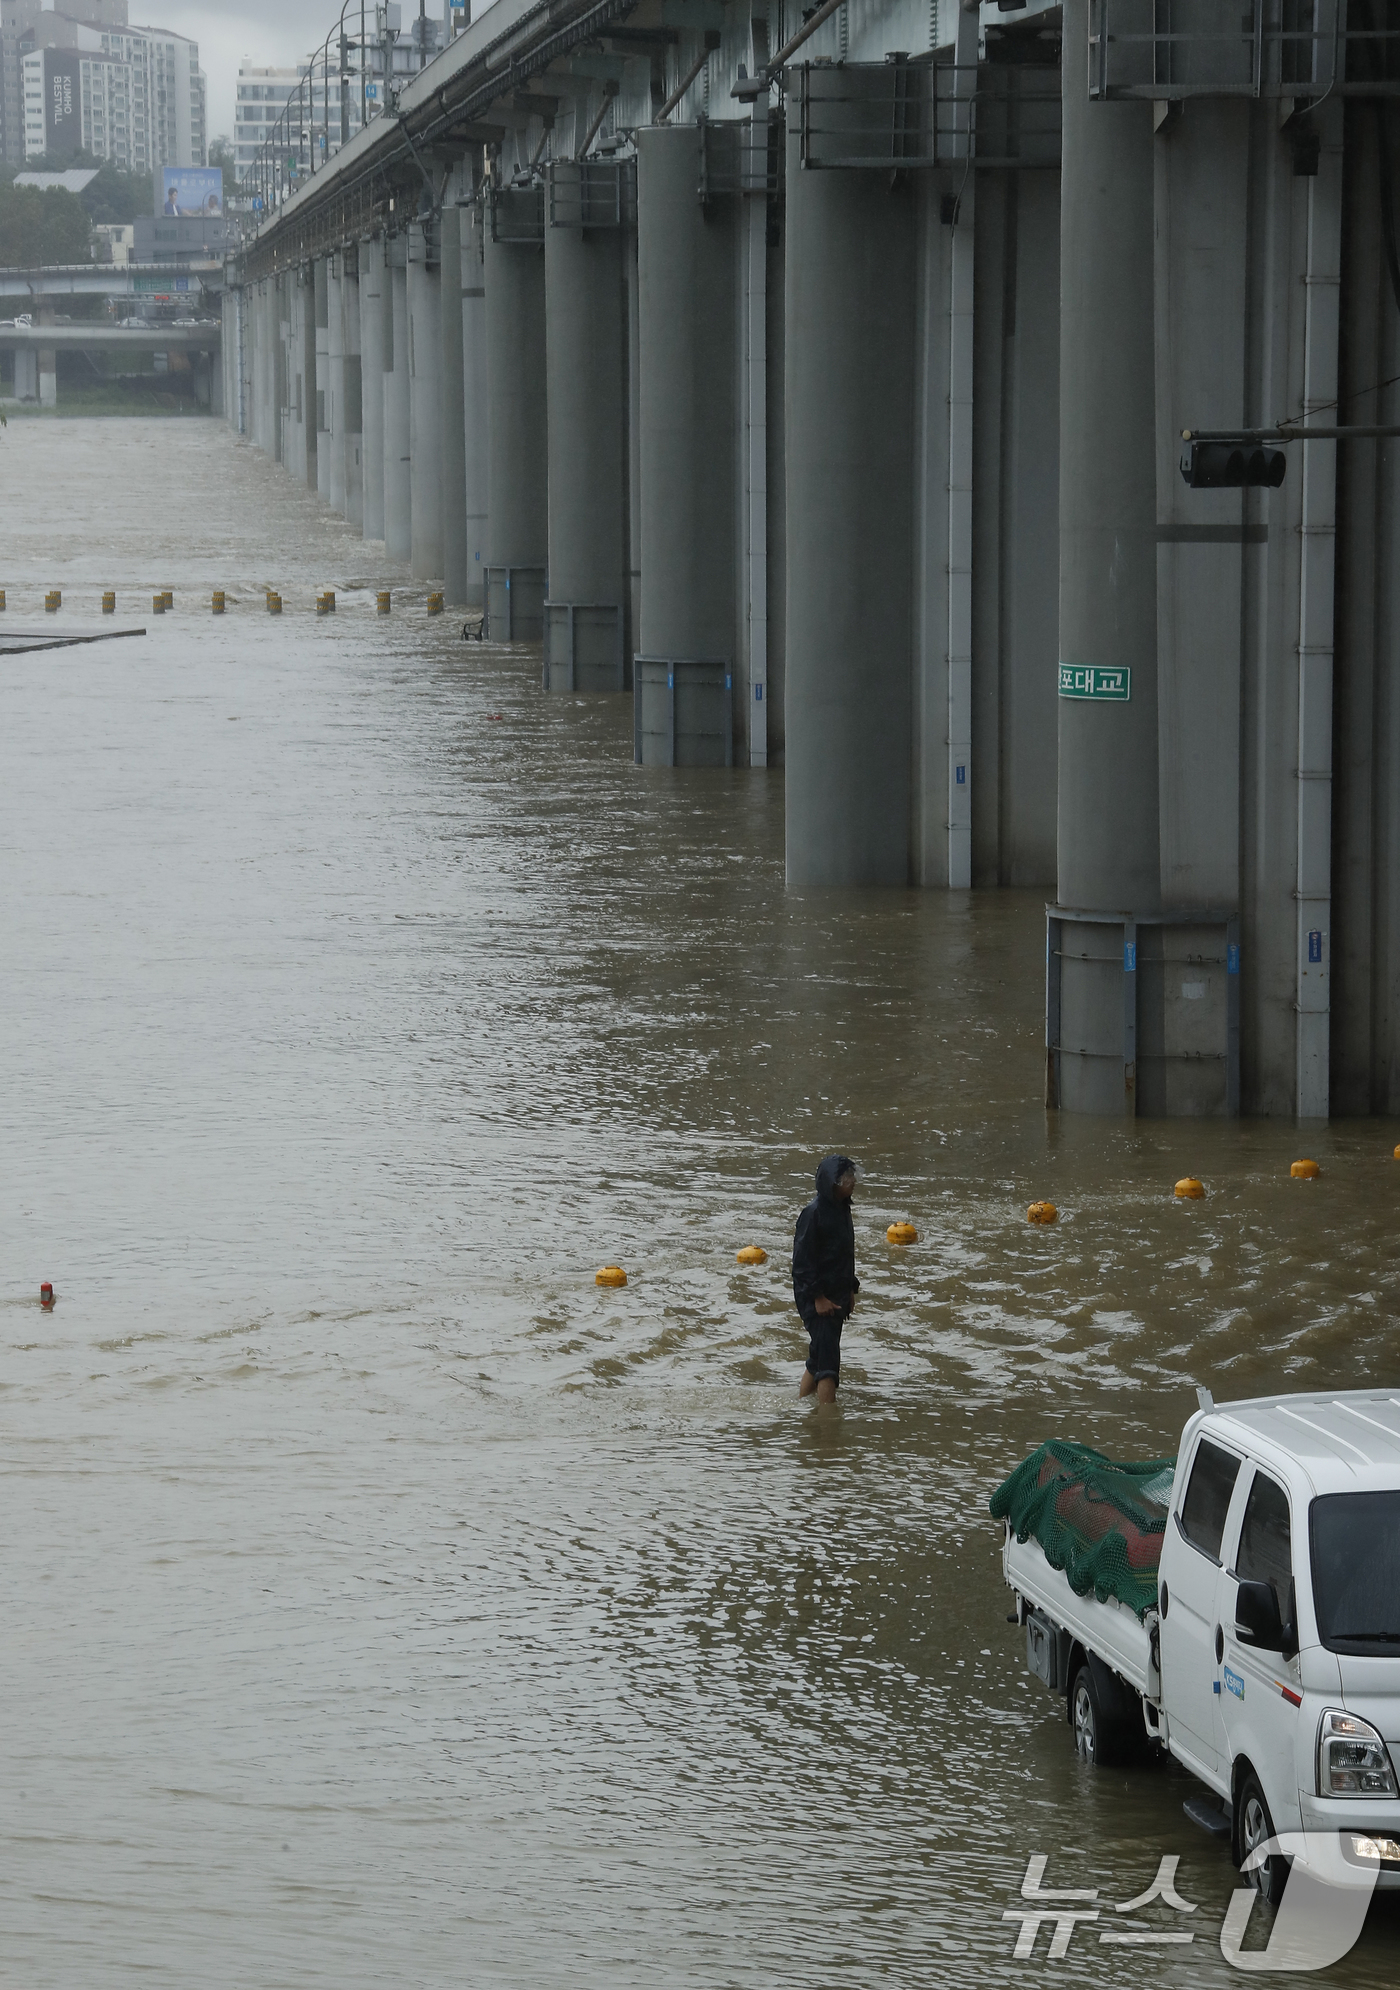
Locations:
(189, 190)
(63, 103)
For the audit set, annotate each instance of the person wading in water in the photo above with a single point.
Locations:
(824, 1281)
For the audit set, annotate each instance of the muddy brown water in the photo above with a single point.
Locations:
(385, 1603)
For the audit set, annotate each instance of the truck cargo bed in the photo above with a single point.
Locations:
(1110, 1630)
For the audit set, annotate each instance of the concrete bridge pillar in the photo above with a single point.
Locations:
(426, 411)
(270, 366)
(310, 355)
(316, 427)
(374, 300)
(48, 363)
(397, 487)
(1108, 831)
(353, 391)
(851, 259)
(474, 402)
(334, 411)
(453, 425)
(687, 303)
(587, 636)
(516, 420)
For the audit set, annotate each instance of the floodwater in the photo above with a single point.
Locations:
(385, 1603)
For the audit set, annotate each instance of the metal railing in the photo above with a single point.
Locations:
(734, 159)
(1170, 49)
(592, 193)
(896, 116)
(519, 219)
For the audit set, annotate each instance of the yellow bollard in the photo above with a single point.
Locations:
(751, 1254)
(217, 602)
(2, 600)
(157, 604)
(435, 604)
(53, 601)
(109, 603)
(382, 600)
(611, 1274)
(274, 602)
(167, 595)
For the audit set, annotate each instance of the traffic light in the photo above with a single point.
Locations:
(1229, 466)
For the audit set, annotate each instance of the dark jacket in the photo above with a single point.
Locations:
(824, 1247)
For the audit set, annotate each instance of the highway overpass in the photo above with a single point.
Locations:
(199, 282)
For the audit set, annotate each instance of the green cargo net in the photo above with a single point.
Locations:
(1100, 1522)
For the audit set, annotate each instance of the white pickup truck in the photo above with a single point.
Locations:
(1271, 1666)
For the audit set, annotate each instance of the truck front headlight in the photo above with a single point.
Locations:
(1352, 1759)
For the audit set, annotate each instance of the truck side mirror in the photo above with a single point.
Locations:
(1256, 1617)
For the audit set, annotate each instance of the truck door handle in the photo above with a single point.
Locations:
(1219, 1644)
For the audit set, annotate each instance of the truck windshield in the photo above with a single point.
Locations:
(1356, 1571)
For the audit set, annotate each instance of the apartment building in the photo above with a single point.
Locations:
(133, 95)
(26, 25)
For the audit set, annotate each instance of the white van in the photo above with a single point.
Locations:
(1271, 1666)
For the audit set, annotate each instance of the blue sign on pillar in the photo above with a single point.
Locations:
(962, 777)
(1232, 960)
(1130, 957)
(1314, 946)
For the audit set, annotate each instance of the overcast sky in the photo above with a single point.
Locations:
(272, 31)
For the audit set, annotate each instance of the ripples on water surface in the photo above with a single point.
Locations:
(384, 1603)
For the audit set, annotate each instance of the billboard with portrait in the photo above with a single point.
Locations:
(189, 190)
(63, 103)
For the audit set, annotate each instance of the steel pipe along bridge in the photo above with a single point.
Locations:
(820, 385)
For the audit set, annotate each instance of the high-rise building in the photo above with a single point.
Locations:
(262, 98)
(169, 119)
(133, 95)
(26, 25)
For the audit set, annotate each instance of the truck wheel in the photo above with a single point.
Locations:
(1254, 1826)
(1098, 1740)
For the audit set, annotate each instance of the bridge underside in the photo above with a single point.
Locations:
(837, 423)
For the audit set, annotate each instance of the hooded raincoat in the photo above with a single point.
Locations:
(824, 1247)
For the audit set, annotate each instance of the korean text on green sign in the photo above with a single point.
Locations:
(1095, 680)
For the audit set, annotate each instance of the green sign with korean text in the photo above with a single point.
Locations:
(1094, 680)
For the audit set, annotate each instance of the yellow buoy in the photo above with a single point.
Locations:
(109, 602)
(1042, 1212)
(611, 1274)
(1189, 1189)
(1303, 1171)
(2, 603)
(751, 1254)
(901, 1233)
